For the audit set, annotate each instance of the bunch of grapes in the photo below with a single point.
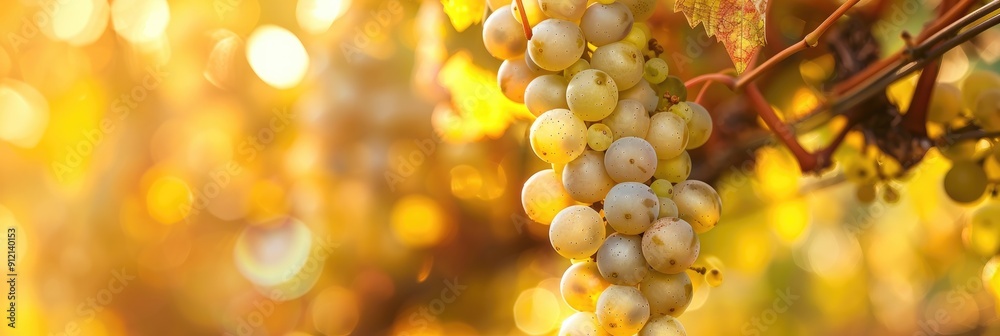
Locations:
(616, 130)
(975, 170)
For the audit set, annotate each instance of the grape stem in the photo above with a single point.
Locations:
(915, 119)
(700, 270)
(524, 19)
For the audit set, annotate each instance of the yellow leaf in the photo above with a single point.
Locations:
(464, 13)
(738, 24)
(478, 107)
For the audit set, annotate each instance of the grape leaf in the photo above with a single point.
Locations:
(738, 24)
(464, 13)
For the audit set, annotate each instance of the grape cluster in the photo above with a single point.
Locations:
(616, 129)
(975, 162)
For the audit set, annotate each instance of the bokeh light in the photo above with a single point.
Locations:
(277, 56)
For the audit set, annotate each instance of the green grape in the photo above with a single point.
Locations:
(622, 61)
(503, 36)
(675, 170)
(699, 127)
(533, 12)
(667, 134)
(556, 44)
(642, 92)
(662, 188)
(558, 136)
(673, 86)
(571, 10)
(543, 196)
(637, 38)
(965, 182)
(630, 159)
(866, 192)
(629, 119)
(977, 82)
(576, 232)
(585, 178)
(667, 208)
(606, 23)
(698, 204)
(544, 93)
(714, 277)
(683, 110)
(631, 207)
(641, 9)
(670, 246)
(622, 310)
(599, 137)
(668, 294)
(946, 104)
(581, 286)
(663, 326)
(966, 150)
(592, 95)
(620, 260)
(984, 227)
(890, 194)
(582, 324)
(655, 70)
(572, 70)
(987, 110)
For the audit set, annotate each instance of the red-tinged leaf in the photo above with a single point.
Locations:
(738, 24)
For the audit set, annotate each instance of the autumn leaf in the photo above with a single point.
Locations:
(478, 108)
(464, 13)
(738, 24)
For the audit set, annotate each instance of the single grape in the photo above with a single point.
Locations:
(637, 38)
(543, 196)
(572, 70)
(987, 110)
(662, 188)
(534, 67)
(629, 119)
(576, 232)
(699, 127)
(620, 260)
(621, 60)
(655, 70)
(533, 12)
(544, 93)
(683, 110)
(965, 150)
(866, 192)
(978, 81)
(946, 104)
(606, 23)
(643, 93)
(641, 9)
(673, 86)
(670, 246)
(631, 207)
(667, 208)
(698, 204)
(581, 286)
(556, 44)
(585, 178)
(663, 326)
(714, 277)
(622, 310)
(558, 136)
(667, 134)
(582, 324)
(570, 10)
(675, 170)
(668, 294)
(503, 36)
(965, 182)
(890, 194)
(513, 78)
(630, 159)
(984, 227)
(592, 95)
(599, 137)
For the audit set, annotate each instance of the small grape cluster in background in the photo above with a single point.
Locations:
(616, 130)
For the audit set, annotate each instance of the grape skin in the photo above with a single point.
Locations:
(965, 182)
(631, 207)
(503, 36)
(592, 95)
(606, 23)
(630, 159)
(641, 9)
(542, 196)
(643, 93)
(629, 119)
(668, 294)
(984, 236)
(581, 285)
(570, 10)
(670, 246)
(675, 170)
(599, 137)
(667, 134)
(513, 78)
(974, 85)
(533, 12)
(667, 208)
(987, 110)
(622, 61)
(620, 260)
(699, 127)
(622, 310)
(585, 178)
(663, 326)
(698, 204)
(582, 324)
(556, 44)
(545, 93)
(576, 232)
(558, 136)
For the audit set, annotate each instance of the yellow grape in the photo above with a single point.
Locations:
(622, 310)
(946, 104)
(668, 294)
(984, 235)
(890, 194)
(543, 196)
(637, 38)
(965, 150)
(663, 326)
(698, 204)
(866, 192)
(572, 70)
(965, 182)
(581, 286)
(576, 232)
(662, 188)
(675, 170)
(558, 136)
(599, 137)
(977, 82)
(987, 110)
(533, 12)
(582, 324)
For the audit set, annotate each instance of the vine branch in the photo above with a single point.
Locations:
(524, 19)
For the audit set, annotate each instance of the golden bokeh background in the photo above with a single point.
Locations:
(333, 167)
